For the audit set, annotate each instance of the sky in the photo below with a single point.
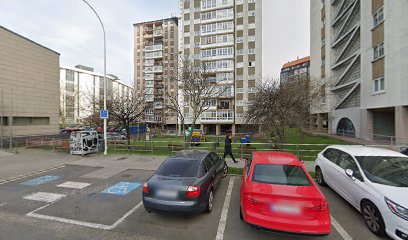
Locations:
(71, 28)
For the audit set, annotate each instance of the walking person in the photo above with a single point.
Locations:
(228, 147)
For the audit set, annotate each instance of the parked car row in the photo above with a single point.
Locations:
(373, 180)
(278, 193)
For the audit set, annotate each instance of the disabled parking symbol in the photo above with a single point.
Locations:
(122, 188)
(40, 180)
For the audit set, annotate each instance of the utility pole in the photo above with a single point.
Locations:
(105, 123)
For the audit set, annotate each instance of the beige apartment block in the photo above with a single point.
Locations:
(155, 68)
(29, 87)
(226, 36)
(359, 52)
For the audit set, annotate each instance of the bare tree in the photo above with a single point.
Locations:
(127, 109)
(173, 106)
(199, 86)
(278, 105)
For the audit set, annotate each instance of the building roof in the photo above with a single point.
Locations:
(282, 158)
(359, 150)
(175, 19)
(296, 62)
(8, 30)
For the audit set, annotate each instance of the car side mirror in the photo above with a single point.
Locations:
(350, 174)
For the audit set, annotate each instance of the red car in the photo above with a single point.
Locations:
(278, 193)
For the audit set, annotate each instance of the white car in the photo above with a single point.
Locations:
(373, 180)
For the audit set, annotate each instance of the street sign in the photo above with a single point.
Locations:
(104, 114)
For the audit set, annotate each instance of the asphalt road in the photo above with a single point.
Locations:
(95, 210)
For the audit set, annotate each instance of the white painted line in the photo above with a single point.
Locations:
(2, 204)
(44, 197)
(82, 223)
(224, 213)
(340, 229)
(4, 181)
(74, 185)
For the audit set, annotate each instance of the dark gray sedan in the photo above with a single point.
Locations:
(185, 183)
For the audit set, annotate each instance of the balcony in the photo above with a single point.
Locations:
(217, 57)
(158, 33)
(148, 36)
(149, 77)
(158, 105)
(219, 4)
(217, 44)
(217, 116)
(152, 55)
(156, 47)
(153, 69)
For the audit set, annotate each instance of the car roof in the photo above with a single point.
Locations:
(282, 158)
(360, 150)
(191, 154)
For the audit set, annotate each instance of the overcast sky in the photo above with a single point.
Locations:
(70, 28)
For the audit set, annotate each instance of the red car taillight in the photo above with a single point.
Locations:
(145, 189)
(322, 206)
(193, 191)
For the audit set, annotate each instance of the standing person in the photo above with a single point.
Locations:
(228, 147)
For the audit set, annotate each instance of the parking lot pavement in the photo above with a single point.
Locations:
(64, 204)
(350, 219)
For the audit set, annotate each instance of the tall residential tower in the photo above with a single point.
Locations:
(358, 55)
(155, 66)
(226, 36)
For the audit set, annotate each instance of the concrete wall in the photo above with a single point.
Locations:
(31, 72)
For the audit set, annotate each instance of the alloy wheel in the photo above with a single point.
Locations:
(210, 201)
(372, 218)
(225, 171)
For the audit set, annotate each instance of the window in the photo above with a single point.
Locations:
(240, 90)
(378, 17)
(379, 51)
(280, 174)
(379, 85)
(25, 121)
(251, 64)
(178, 168)
(251, 51)
(346, 161)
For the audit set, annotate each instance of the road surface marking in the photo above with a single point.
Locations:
(4, 181)
(44, 197)
(122, 188)
(2, 204)
(74, 185)
(40, 180)
(224, 213)
(340, 229)
(82, 223)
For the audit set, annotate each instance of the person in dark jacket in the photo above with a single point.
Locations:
(228, 147)
(405, 152)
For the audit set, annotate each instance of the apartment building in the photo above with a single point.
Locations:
(226, 36)
(81, 92)
(358, 55)
(155, 68)
(29, 87)
(295, 70)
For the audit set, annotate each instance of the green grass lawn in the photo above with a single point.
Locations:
(167, 145)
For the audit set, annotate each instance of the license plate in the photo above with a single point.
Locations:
(166, 194)
(285, 209)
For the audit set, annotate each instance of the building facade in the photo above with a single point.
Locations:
(226, 36)
(295, 70)
(29, 87)
(358, 55)
(82, 91)
(155, 67)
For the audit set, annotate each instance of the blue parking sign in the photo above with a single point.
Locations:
(104, 114)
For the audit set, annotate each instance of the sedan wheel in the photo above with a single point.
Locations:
(210, 202)
(225, 171)
(319, 177)
(373, 219)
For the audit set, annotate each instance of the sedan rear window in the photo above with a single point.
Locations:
(280, 174)
(179, 168)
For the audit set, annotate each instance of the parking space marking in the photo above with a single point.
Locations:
(122, 188)
(74, 185)
(82, 223)
(340, 229)
(4, 181)
(2, 204)
(224, 213)
(40, 180)
(44, 197)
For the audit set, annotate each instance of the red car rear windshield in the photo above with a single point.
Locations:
(280, 174)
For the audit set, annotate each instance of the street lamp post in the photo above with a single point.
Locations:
(105, 125)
